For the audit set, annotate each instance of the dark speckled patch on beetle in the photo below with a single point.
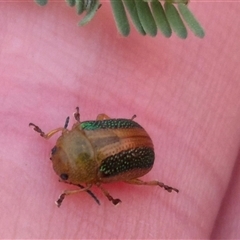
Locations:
(131, 159)
(101, 151)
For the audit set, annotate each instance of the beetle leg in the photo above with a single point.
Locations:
(88, 191)
(152, 183)
(70, 192)
(134, 116)
(77, 114)
(45, 135)
(109, 197)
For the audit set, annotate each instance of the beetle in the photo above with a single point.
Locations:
(101, 151)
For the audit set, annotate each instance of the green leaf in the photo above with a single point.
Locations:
(146, 15)
(41, 2)
(131, 7)
(120, 17)
(160, 18)
(191, 21)
(175, 20)
(146, 18)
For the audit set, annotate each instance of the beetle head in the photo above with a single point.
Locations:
(73, 158)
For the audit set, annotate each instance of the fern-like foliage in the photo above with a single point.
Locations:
(147, 16)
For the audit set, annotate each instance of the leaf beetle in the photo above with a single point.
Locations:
(101, 151)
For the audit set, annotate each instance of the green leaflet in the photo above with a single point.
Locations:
(146, 18)
(92, 7)
(120, 17)
(132, 10)
(175, 20)
(79, 6)
(178, 1)
(160, 18)
(191, 20)
(71, 3)
(41, 2)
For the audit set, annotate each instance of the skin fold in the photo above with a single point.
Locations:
(185, 94)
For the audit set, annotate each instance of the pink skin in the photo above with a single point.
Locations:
(185, 94)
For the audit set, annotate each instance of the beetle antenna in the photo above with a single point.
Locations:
(66, 123)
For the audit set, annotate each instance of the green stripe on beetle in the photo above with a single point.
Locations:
(109, 124)
(102, 151)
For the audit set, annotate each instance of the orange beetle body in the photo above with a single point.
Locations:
(102, 151)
